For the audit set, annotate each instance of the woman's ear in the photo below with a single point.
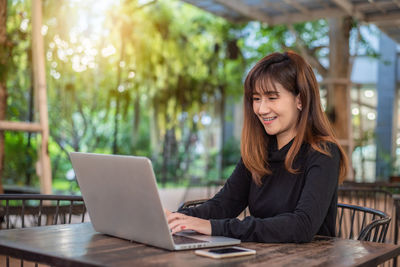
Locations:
(298, 103)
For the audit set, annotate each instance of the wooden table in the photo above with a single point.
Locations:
(81, 245)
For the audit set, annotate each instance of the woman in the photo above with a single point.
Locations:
(291, 162)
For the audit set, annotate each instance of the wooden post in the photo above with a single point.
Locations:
(338, 101)
(39, 79)
(3, 77)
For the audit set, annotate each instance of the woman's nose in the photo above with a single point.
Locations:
(264, 108)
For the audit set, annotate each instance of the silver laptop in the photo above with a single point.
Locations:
(121, 196)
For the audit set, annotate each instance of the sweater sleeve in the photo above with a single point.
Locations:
(321, 180)
(230, 201)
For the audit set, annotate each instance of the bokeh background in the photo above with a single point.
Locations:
(163, 79)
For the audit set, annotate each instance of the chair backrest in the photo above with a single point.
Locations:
(27, 210)
(365, 224)
(192, 203)
(376, 197)
(353, 222)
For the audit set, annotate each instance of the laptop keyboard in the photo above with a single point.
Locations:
(179, 240)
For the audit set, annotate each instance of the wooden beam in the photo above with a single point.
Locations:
(367, 6)
(382, 17)
(323, 3)
(277, 6)
(387, 31)
(292, 18)
(245, 10)
(344, 142)
(329, 81)
(377, 6)
(388, 23)
(297, 6)
(338, 94)
(349, 8)
(39, 82)
(20, 126)
(3, 81)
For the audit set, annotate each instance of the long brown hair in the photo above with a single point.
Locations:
(292, 72)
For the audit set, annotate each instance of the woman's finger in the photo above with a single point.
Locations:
(167, 212)
(177, 222)
(175, 216)
(173, 224)
(178, 227)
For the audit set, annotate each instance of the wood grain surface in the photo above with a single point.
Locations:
(81, 245)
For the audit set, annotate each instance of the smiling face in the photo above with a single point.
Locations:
(278, 111)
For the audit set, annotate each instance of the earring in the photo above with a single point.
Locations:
(300, 108)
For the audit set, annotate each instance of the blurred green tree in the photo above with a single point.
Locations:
(144, 79)
(139, 85)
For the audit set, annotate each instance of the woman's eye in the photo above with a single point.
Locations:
(272, 98)
(256, 98)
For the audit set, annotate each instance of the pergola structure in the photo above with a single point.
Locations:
(40, 125)
(385, 14)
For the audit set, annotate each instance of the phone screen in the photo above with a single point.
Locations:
(225, 250)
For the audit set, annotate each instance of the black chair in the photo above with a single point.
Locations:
(361, 223)
(376, 198)
(192, 203)
(29, 210)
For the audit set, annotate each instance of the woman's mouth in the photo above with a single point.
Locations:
(268, 120)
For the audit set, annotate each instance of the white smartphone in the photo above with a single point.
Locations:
(219, 253)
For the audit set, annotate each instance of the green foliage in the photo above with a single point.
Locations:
(119, 83)
(231, 152)
(131, 78)
(20, 159)
(20, 152)
(267, 39)
(18, 66)
(231, 156)
(359, 42)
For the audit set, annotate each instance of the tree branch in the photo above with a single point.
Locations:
(307, 53)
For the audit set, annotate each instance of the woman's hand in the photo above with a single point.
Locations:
(178, 222)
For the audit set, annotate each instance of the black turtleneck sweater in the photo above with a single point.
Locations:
(286, 207)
